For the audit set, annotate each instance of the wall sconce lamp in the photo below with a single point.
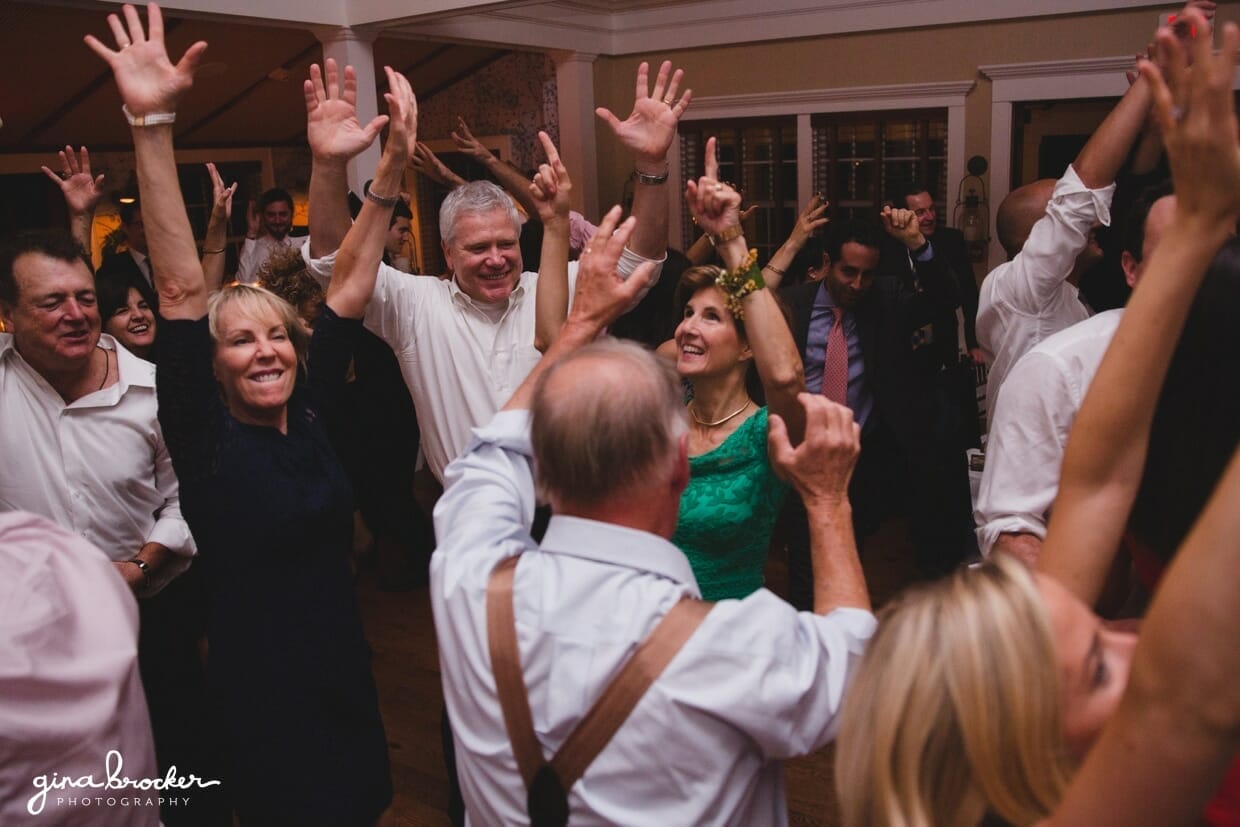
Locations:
(972, 212)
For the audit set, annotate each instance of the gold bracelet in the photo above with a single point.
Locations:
(775, 270)
(735, 231)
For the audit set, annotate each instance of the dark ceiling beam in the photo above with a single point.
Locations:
(434, 55)
(287, 65)
(69, 104)
(477, 66)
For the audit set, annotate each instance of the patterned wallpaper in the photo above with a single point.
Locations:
(514, 96)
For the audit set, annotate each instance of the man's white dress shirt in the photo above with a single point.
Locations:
(1027, 299)
(757, 682)
(461, 359)
(97, 467)
(256, 251)
(69, 681)
(1029, 429)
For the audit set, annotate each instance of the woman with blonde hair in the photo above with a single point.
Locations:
(957, 712)
(987, 691)
(290, 692)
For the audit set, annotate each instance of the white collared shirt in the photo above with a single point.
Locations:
(757, 682)
(69, 680)
(460, 365)
(97, 467)
(1027, 299)
(1029, 429)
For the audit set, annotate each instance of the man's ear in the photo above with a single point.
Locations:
(1130, 266)
(6, 316)
(447, 254)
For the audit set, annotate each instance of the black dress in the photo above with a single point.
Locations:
(290, 690)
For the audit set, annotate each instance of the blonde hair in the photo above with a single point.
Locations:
(255, 302)
(955, 708)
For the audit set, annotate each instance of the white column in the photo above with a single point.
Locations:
(574, 77)
(1000, 173)
(354, 47)
(805, 160)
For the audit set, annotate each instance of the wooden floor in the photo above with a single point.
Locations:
(406, 666)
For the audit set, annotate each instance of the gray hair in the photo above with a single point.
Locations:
(474, 197)
(602, 435)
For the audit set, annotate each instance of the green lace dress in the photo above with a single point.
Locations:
(728, 512)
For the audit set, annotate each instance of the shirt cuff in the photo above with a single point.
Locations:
(509, 430)
(173, 534)
(1071, 184)
(988, 533)
(860, 624)
(320, 268)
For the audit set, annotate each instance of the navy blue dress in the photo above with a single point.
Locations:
(291, 691)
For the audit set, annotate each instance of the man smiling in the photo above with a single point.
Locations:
(466, 343)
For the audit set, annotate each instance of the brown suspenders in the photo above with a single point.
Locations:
(547, 782)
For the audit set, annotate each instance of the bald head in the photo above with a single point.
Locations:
(606, 419)
(1020, 211)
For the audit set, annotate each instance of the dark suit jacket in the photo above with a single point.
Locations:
(901, 372)
(121, 267)
(949, 243)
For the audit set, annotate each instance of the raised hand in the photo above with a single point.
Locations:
(427, 162)
(651, 126)
(82, 192)
(811, 218)
(602, 294)
(332, 128)
(715, 206)
(1196, 114)
(552, 185)
(402, 138)
(148, 81)
(221, 196)
(253, 221)
(467, 143)
(822, 465)
(902, 225)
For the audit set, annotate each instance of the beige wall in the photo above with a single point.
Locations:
(910, 56)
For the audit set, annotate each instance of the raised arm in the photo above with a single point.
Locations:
(1105, 151)
(820, 469)
(215, 245)
(357, 262)
(1177, 728)
(335, 136)
(1105, 456)
(808, 222)
(648, 133)
(549, 194)
(81, 190)
(602, 294)
(509, 178)
(427, 163)
(151, 86)
(716, 206)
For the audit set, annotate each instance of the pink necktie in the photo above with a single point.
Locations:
(835, 371)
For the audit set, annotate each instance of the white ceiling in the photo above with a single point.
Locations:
(615, 27)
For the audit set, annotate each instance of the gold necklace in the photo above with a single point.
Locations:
(717, 422)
